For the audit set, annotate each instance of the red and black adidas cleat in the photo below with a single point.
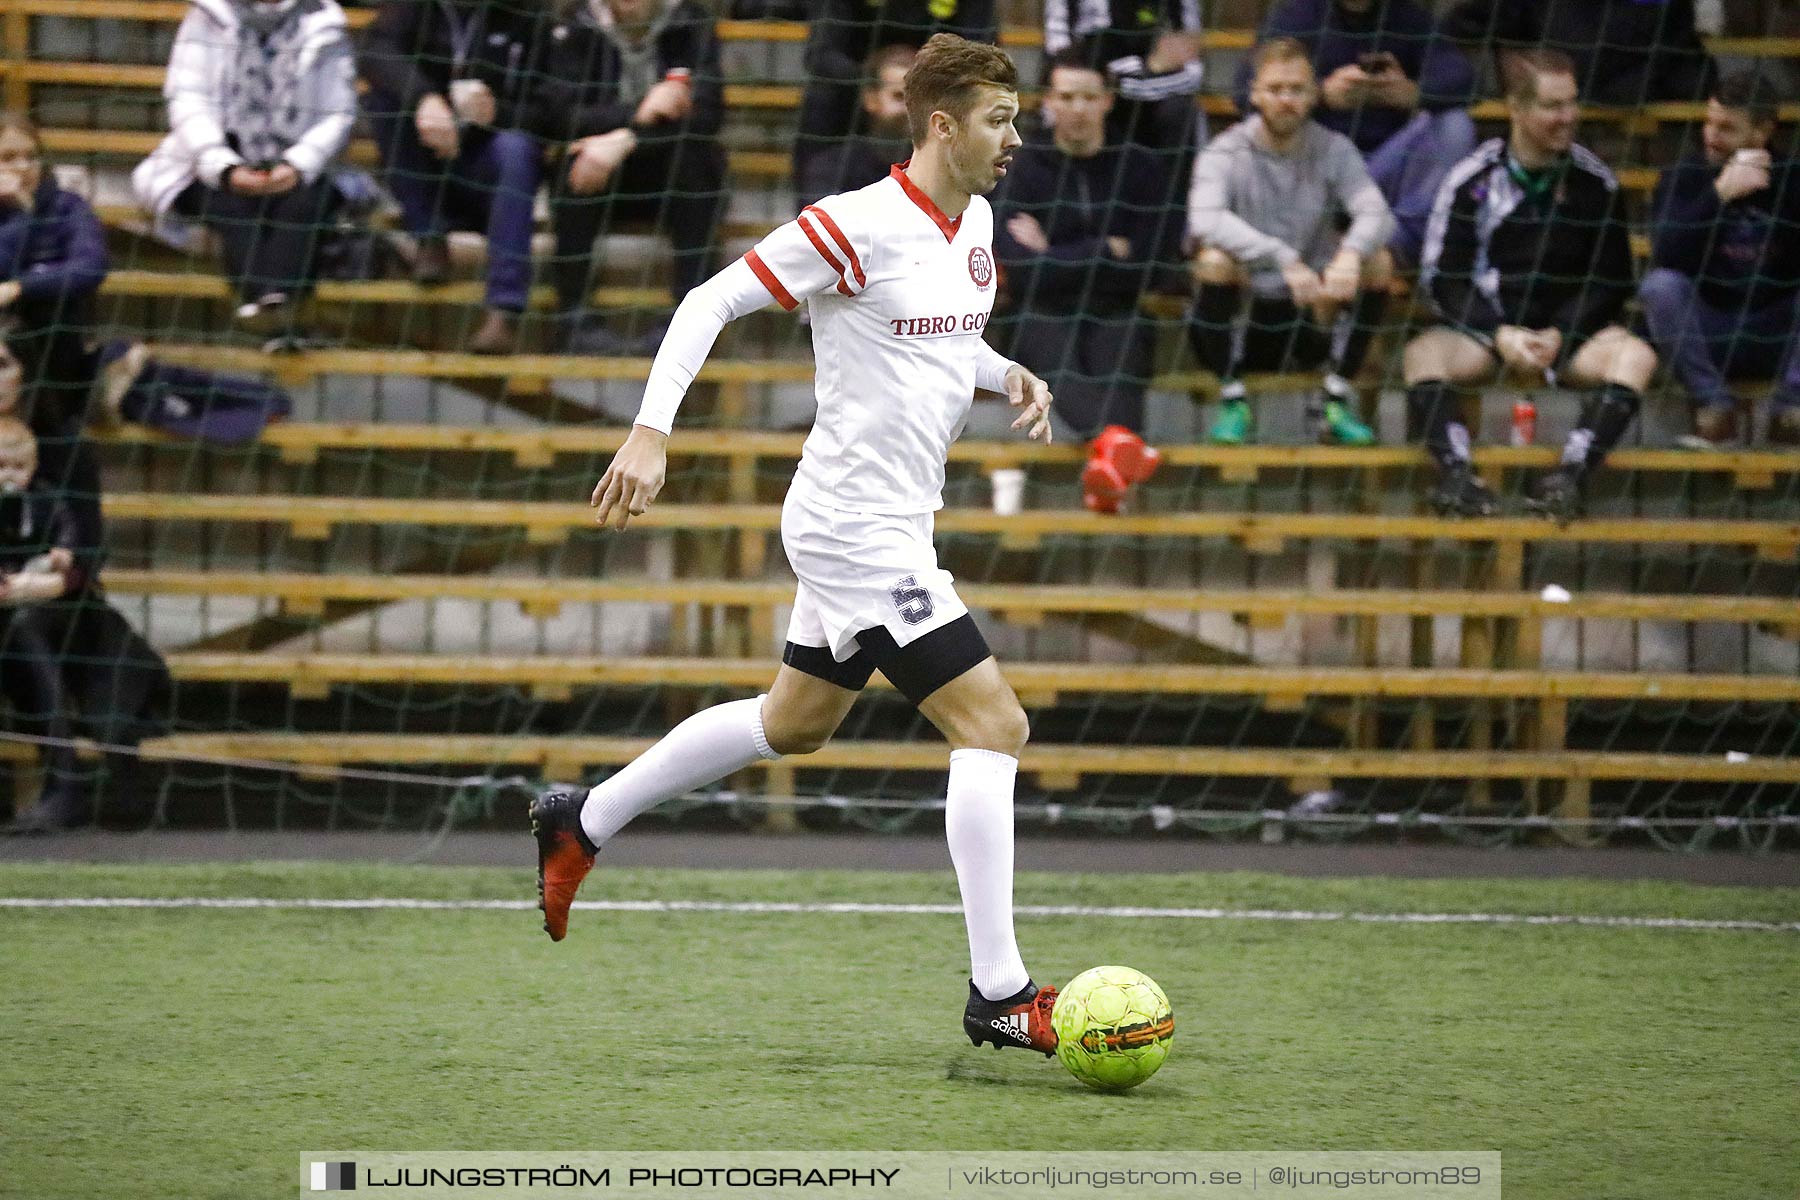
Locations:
(1021, 1020)
(565, 856)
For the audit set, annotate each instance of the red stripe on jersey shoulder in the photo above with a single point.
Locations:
(782, 296)
(837, 235)
(812, 235)
(946, 225)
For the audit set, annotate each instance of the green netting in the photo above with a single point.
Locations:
(771, 116)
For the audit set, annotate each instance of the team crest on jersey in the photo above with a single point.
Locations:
(981, 267)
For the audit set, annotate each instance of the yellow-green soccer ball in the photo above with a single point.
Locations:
(1113, 1027)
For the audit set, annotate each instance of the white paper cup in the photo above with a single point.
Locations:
(1009, 490)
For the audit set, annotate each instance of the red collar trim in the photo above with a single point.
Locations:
(926, 204)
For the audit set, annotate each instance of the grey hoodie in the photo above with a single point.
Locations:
(1267, 210)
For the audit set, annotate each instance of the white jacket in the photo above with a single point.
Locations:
(205, 46)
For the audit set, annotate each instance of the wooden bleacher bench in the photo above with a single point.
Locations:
(1015, 36)
(1262, 608)
(1040, 683)
(550, 522)
(1055, 766)
(302, 442)
(20, 71)
(427, 364)
(785, 97)
(183, 285)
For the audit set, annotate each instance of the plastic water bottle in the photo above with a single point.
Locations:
(1524, 422)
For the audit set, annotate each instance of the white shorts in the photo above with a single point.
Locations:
(863, 571)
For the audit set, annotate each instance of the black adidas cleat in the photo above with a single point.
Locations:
(565, 856)
(1021, 1020)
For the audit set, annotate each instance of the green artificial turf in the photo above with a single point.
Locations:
(199, 1052)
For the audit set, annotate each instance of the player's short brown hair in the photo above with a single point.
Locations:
(1524, 67)
(945, 77)
(1278, 50)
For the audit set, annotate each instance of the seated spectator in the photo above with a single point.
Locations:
(842, 37)
(1528, 266)
(1393, 86)
(1722, 300)
(1152, 51)
(52, 263)
(70, 664)
(447, 99)
(1625, 51)
(37, 570)
(879, 140)
(1077, 227)
(1264, 211)
(634, 88)
(261, 100)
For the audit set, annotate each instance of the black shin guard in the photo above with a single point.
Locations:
(1605, 417)
(1215, 312)
(1433, 416)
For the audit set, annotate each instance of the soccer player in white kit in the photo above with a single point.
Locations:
(899, 280)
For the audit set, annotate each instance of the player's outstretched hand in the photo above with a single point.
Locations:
(633, 478)
(1027, 391)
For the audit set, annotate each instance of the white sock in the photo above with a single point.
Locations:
(978, 820)
(706, 747)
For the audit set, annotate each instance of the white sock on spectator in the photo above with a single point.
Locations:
(706, 747)
(978, 821)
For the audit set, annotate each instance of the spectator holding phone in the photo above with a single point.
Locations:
(1394, 87)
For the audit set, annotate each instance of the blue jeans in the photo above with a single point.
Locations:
(488, 187)
(1704, 346)
(1410, 165)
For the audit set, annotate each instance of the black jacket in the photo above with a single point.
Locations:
(845, 32)
(1558, 259)
(1625, 51)
(33, 523)
(1130, 31)
(578, 69)
(414, 48)
(1744, 254)
(1080, 202)
(56, 250)
(845, 166)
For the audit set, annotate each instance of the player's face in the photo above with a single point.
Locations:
(1728, 130)
(1077, 104)
(982, 146)
(885, 102)
(1546, 122)
(1284, 93)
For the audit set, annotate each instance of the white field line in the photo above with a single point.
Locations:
(1024, 910)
